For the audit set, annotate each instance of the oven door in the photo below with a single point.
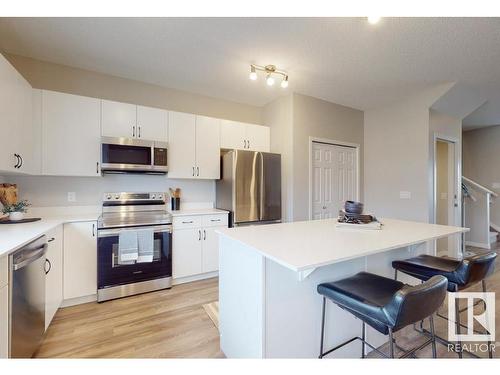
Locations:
(110, 273)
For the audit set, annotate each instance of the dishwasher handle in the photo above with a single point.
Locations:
(34, 255)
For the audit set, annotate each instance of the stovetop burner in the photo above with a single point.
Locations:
(133, 209)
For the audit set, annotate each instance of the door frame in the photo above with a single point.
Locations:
(457, 167)
(332, 142)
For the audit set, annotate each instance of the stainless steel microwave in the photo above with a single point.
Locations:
(129, 155)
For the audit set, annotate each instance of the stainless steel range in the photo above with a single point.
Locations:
(127, 217)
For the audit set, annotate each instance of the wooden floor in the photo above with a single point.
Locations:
(164, 324)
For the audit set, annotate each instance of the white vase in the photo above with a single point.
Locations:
(15, 216)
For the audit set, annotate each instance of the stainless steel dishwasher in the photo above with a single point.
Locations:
(27, 298)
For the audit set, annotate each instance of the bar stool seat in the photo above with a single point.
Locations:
(364, 295)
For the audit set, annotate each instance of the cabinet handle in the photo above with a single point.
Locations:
(133, 131)
(248, 144)
(50, 266)
(20, 165)
(199, 235)
(97, 167)
(51, 239)
(93, 230)
(193, 171)
(18, 161)
(244, 143)
(198, 171)
(187, 222)
(139, 132)
(204, 234)
(215, 220)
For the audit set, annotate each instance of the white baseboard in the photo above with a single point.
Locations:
(189, 279)
(79, 300)
(478, 244)
(494, 226)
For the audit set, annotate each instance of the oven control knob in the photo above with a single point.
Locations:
(153, 196)
(117, 196)
(108, 197)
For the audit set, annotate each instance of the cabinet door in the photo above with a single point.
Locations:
(4, 321)
(232, 135)
(186, 252)
(210, 253)
(15, 117)
(181, 145)
(258, 138)
(70, 135)
(119, 119)
(80, 259)
(54, 276)
(152, 124)
(207, 147)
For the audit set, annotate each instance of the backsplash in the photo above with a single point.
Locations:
(48, 191)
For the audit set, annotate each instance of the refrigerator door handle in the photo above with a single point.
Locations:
(262, 211)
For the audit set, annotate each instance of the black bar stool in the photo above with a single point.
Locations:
(461, 274)
(386, 305)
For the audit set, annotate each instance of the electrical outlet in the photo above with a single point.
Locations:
(405, 195)
(71, 196)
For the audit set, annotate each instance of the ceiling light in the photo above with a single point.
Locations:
(271, 71)
(253, 74)
(284, 83)
(372, 20)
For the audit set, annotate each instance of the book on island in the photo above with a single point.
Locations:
(373, 225)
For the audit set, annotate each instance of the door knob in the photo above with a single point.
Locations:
(324, 207)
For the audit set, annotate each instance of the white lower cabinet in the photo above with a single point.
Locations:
(80, 259)
(195, 248)
(4, 321)
(54, 274)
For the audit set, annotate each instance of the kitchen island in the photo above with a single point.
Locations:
(269, 307)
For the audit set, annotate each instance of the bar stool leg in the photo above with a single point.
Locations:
(490, 350)
(457, 324)
(391, 344)
(322, 329)
(433, 334)
(363, 342)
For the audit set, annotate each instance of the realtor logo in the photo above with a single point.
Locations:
(484, 320)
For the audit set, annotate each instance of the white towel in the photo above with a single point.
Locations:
(128, 249)
(146, 245)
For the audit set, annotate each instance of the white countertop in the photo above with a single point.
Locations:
(197, 211)
(306, 245)
(14, 236)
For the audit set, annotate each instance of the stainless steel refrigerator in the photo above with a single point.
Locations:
(250, 187)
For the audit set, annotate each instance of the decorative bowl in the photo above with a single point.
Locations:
(353, 207)
(15, 216)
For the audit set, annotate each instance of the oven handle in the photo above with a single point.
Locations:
(116, 231)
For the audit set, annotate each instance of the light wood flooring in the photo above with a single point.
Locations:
(164, 324)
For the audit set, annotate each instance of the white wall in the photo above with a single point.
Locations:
(47, 191)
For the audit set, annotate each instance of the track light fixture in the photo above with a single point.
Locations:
(270, 71)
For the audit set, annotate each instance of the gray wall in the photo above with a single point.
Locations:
(481, 153)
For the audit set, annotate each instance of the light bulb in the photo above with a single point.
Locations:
(284, 83)
(372, 20)
(253, 76)
(270, 80)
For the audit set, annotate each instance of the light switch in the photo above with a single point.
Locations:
(405, 195)
(71, 196)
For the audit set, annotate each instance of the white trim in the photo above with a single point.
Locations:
(188, 279)
(333, 142)
(495, 226)
(478, 244)
(79, 300)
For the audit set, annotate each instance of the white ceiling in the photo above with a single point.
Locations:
(343, 60)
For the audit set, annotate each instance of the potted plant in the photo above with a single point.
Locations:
(17, 210)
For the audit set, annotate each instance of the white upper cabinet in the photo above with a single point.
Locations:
(133, 121)
(71, 135)
(181, 145)
(207, 147)
(118, 119)
(241, 136)
(16, 140)
(152, 124)
(194, 148)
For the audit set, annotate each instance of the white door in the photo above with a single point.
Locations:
(207, 147)
(152, 124)
(334, 179)
(80, 259)
(258, 138)
(210, 255)
(119, 119)
(70, 135)
(232, 135)
(186, 252)
(54, 276)
(181, 145)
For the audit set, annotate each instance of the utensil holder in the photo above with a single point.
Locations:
(175, 204)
